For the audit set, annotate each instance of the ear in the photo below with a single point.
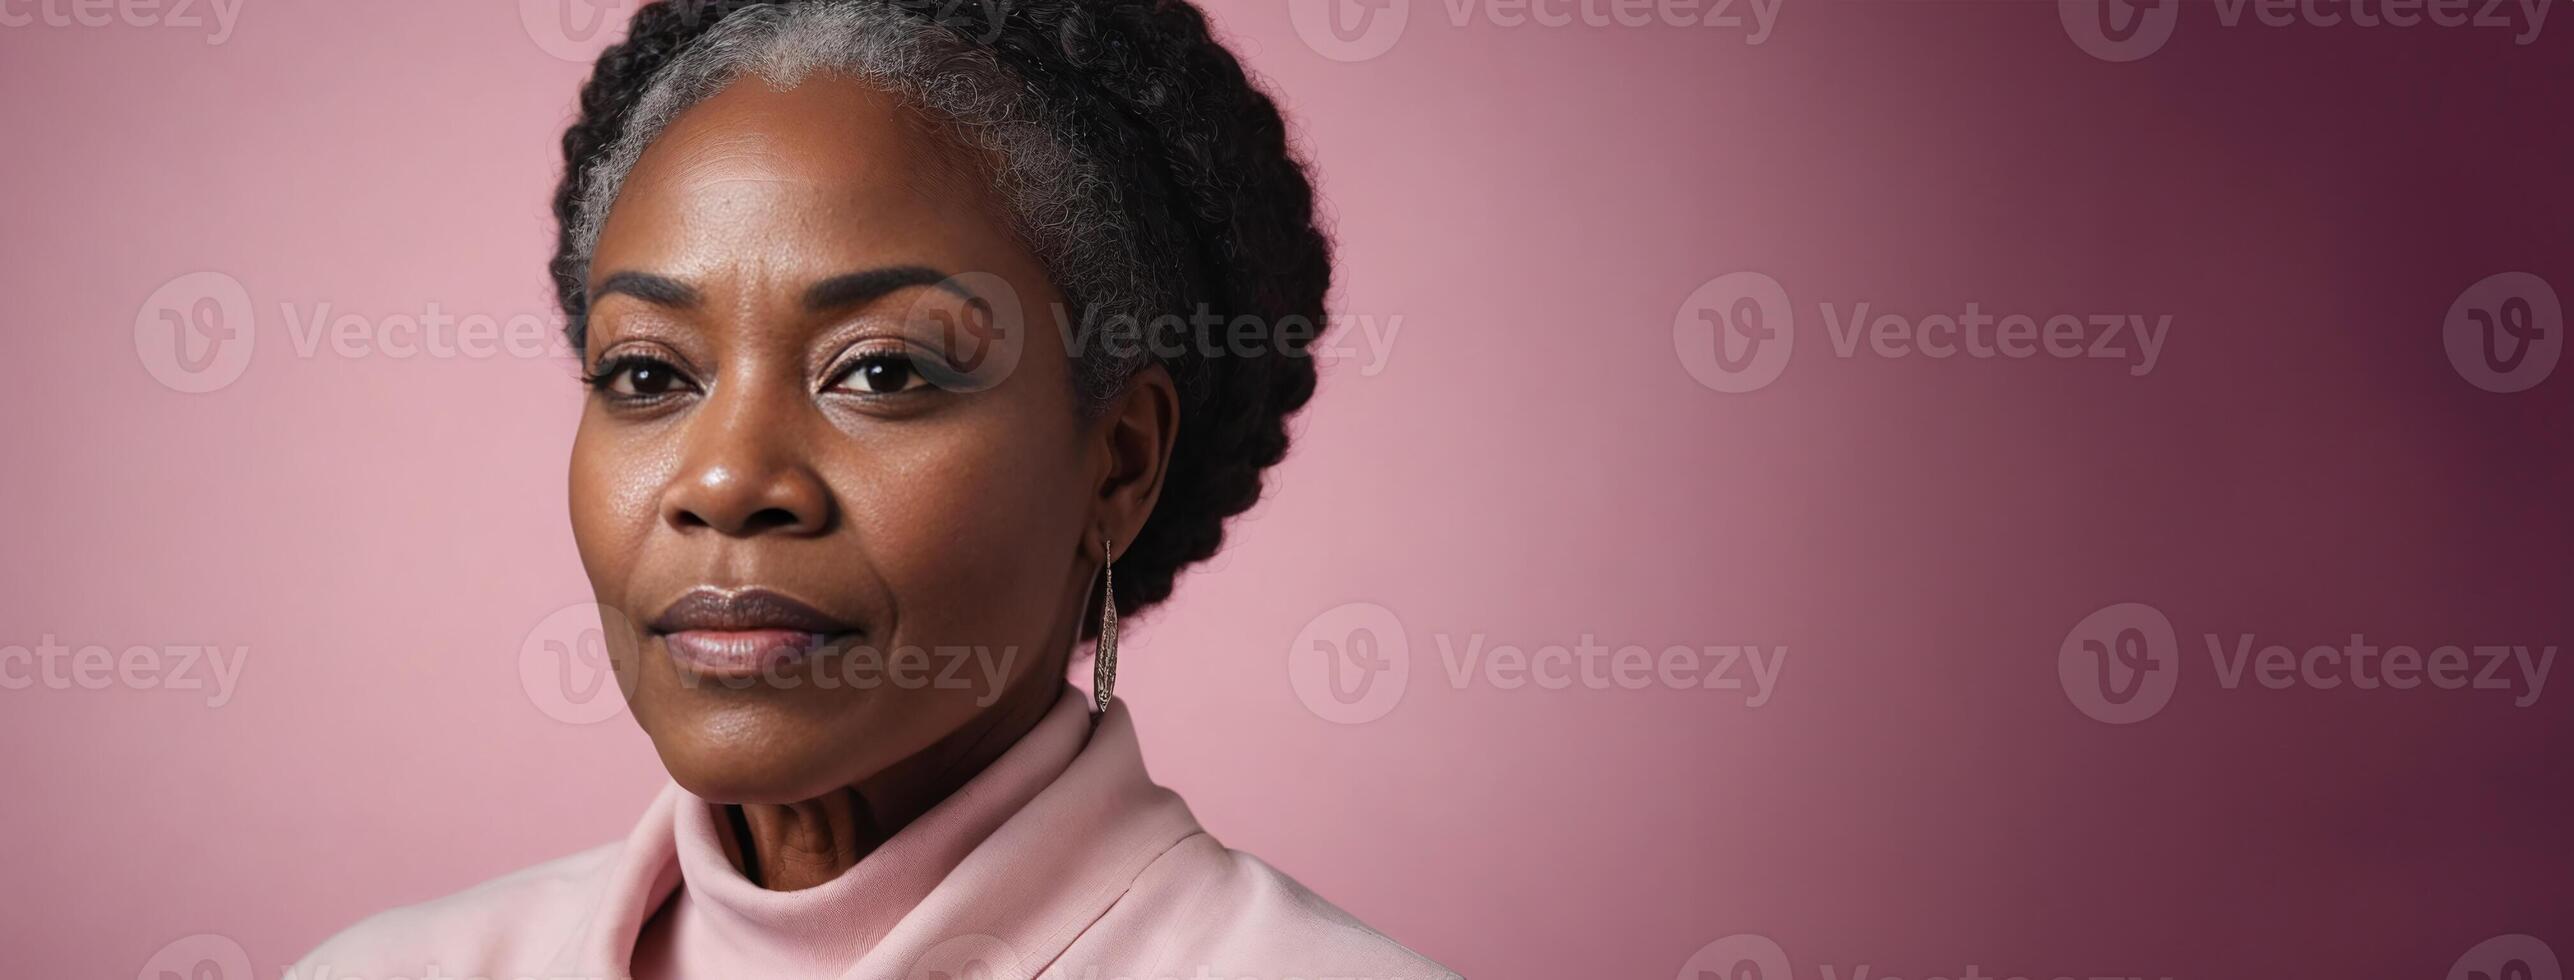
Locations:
(1132, 443)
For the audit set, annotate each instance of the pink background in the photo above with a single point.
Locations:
(1532, 463)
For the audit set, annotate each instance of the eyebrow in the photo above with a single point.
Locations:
(654, 289)
(853, 288)
(846, 289)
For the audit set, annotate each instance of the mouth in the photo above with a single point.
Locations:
(745, 632)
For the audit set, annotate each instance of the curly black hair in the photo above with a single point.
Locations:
(1220, 209)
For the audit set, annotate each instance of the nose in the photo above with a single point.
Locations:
(744, 470)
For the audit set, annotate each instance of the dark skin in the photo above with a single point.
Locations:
(763, 419)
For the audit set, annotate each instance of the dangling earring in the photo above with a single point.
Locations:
(1103, 678)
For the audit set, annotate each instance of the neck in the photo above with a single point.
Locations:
(791, 846)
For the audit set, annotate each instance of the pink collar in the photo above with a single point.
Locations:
(1009, 869)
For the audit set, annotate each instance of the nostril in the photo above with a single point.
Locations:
(765, 519)
(770, 519)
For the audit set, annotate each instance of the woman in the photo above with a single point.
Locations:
(876, 301)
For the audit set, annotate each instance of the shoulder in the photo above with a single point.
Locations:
(1216, 911)
(468, 933)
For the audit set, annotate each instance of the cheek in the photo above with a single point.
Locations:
(972, 531)
(614, 486)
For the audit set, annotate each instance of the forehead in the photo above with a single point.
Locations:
(830, 170)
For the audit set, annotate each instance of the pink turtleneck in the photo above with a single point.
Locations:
(1061, 859)
(723, 924)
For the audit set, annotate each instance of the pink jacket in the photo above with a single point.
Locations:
(1060, 860)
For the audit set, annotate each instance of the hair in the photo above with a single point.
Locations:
(1140, 163)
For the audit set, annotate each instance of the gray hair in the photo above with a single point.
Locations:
(1063, 203)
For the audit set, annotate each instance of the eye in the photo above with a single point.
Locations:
(636, 377)
(881, 373)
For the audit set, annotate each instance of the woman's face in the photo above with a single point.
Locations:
(845, 502)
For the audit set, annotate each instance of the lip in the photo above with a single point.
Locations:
(743, 632)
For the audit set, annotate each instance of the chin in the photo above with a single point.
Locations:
(759, 752)
(722, 771)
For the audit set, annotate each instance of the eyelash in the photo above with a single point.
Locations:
(604, 378)
(919, 369)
